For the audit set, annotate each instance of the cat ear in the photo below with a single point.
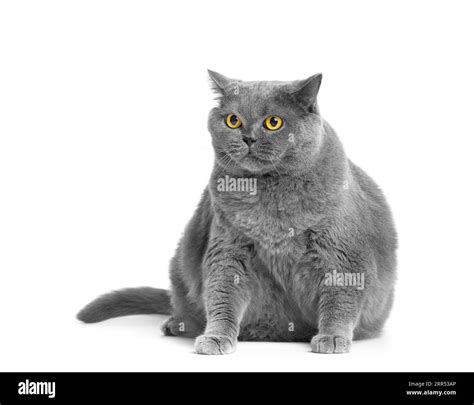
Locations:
(306, 91)
(219, 82)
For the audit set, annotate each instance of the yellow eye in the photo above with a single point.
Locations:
(233, 121)
(273, 122)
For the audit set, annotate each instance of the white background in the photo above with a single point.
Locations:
(104, 153)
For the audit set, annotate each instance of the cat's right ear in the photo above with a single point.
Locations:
(218, 82)
(306, 92)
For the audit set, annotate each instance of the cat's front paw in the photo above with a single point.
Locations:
(329, 344)
(214, 344)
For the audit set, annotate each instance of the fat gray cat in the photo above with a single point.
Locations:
(291, 241)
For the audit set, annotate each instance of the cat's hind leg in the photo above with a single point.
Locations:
(187, 316)
(181, 326)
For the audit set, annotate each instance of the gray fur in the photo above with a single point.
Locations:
(253, 266)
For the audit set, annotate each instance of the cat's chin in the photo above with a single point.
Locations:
(255, 165)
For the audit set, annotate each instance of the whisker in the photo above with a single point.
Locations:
(274, 166)
(226, 160)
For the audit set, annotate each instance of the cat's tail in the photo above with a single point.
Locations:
(129, 301)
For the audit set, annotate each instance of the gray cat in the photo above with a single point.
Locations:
(291, 241)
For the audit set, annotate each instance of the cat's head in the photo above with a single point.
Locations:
(265, 126)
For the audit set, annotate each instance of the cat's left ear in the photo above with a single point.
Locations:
(306, 92)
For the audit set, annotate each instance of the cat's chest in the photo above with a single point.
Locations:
(275, 219)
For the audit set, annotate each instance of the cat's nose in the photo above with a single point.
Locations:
(249, 140)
